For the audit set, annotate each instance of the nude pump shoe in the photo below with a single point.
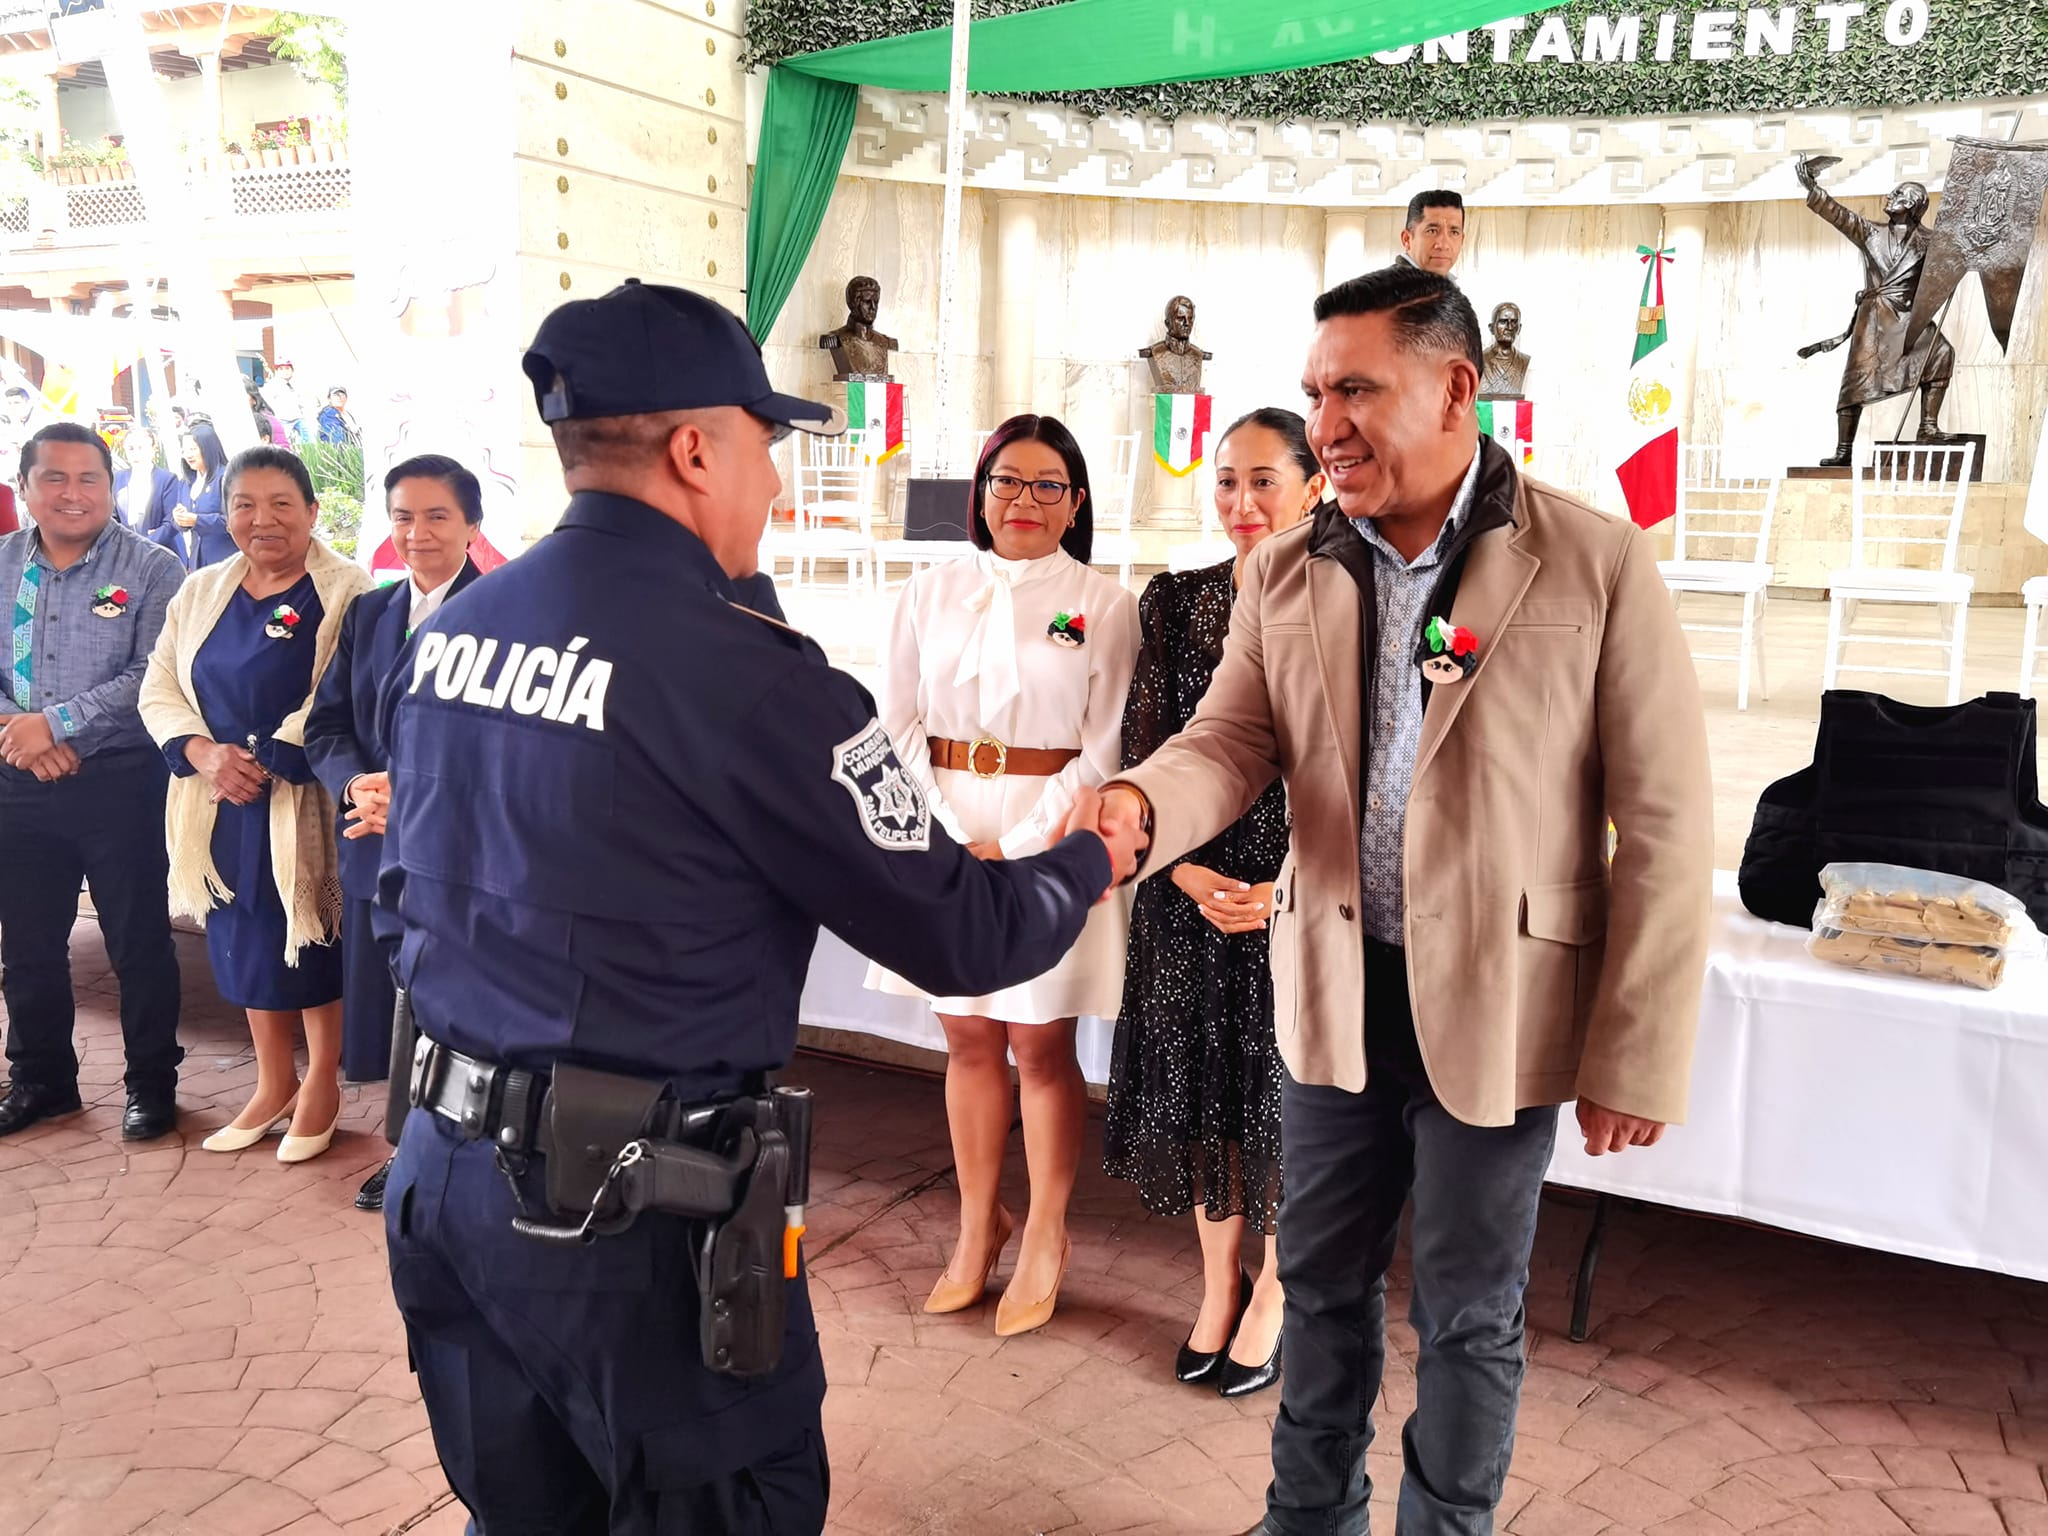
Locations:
(951, 1295)
(232, 1138)
(1017, 1316)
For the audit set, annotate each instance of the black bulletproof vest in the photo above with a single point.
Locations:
(1948, 788)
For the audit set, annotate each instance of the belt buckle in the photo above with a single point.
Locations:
(418, 1089)
(974, 751)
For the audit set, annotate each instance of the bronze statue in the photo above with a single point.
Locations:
(1506, 368)
(859, 351)
(1176, 361)
(1880, 363)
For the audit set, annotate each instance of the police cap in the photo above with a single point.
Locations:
(645, 348)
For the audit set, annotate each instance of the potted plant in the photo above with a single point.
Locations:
(268, 146)
(238, 159)
(114, 160)
(294, 142)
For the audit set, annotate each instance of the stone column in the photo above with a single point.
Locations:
(1343, 247)
(1016, 302)
(210, 125)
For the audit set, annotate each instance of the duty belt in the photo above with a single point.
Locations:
(489, 1102)
(618, 1146)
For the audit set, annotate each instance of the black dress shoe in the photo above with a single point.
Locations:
(1195, 1365)
(25, 1104)
(371, 1196)
(151, 1112)
(1236, 1380)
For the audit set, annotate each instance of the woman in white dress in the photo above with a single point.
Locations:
(1004, 693)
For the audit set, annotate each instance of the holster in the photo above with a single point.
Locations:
(742, 1295)
(615, 1148)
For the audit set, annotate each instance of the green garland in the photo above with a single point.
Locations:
(1973, 50)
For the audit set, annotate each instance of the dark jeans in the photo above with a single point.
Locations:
(1352, 1160)
(105, 826)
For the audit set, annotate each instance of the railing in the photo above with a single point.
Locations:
(49, 214)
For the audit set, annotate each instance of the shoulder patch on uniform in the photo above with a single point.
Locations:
(892, 807)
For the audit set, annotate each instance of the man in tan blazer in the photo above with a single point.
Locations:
(1461, 675)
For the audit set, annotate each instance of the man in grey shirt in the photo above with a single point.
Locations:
(81, 784)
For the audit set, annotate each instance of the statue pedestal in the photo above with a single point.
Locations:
(1173, 500)
(1890, 453)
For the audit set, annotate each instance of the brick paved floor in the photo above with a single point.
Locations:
(205, 1345)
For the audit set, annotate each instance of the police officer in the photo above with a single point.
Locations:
(622, 805)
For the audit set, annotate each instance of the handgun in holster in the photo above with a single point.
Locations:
(738, 1169)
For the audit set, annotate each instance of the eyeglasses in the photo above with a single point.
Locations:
(1047, 493)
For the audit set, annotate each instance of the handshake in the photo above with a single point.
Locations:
(1118, 815)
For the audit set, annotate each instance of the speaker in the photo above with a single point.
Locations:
(936, 509)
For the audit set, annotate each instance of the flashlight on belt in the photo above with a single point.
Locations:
(793, 1119)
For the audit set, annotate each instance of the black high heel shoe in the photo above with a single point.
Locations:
(1236, 1380)
(1194, 1365)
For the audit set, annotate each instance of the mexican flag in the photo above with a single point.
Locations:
(875, 411)
(1512, 424)
(1180, 432)
(1649, 472)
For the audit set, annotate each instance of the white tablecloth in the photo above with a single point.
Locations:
(1891, 1113)
(1894, 1114)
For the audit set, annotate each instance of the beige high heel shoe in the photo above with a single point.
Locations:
(1014, 1317)
(951, 1295)
(300, 1149)
(233, 1138)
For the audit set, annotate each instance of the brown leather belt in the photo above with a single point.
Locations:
(987, 758)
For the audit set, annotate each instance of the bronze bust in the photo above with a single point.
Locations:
(859, 351)
(1506, 369)
(1176, 361)
(1880, 365)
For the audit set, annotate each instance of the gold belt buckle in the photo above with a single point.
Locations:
(974, 752)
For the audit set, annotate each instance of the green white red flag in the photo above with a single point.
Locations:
(1512, 424)
(875, 411)
(1180, 432)
(1649, 464)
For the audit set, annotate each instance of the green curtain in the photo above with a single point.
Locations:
(1078, 46)
(805, 127)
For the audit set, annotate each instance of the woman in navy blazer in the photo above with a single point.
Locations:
(436, 509)
(145, 511)
(197, 530)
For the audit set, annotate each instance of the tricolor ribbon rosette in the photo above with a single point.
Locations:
(1449, 652)
(1068, 629)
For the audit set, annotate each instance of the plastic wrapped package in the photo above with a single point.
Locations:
(1914, 922)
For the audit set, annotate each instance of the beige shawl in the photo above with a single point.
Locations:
(302, 857)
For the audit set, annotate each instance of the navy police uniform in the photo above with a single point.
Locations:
(622, 807)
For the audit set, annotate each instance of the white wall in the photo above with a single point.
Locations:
(318, 339)
(266, 94)
(1774, 278)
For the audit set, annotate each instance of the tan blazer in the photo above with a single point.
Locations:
(1538, 973)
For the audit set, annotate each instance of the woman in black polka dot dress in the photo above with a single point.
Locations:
(1194, 1083)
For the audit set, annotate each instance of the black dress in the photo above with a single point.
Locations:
(1194, 1080)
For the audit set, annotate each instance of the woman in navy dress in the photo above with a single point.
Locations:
(251, 830)
(197, 531)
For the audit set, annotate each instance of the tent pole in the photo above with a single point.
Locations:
(944, 385)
